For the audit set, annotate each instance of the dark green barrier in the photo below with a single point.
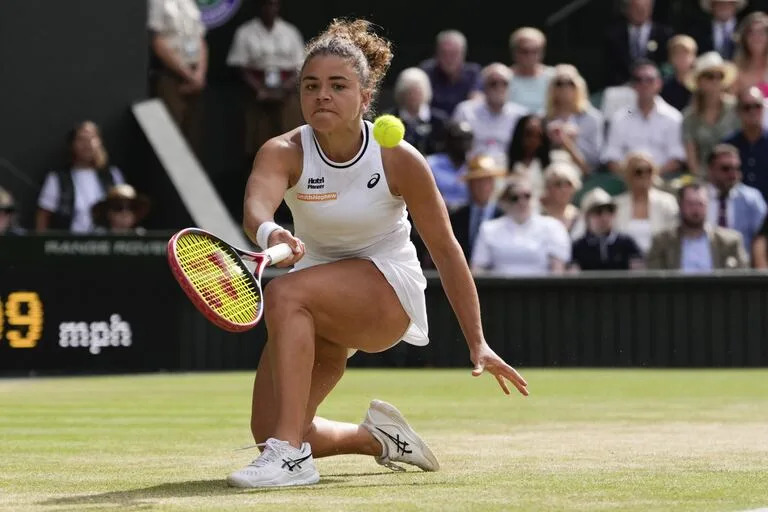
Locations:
(110, 304)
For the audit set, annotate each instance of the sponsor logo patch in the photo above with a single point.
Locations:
(328, 196)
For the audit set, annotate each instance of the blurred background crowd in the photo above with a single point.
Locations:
(660, 161)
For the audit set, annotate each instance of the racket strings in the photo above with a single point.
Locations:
(218, 277)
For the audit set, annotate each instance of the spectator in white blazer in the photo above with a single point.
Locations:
(643, 210)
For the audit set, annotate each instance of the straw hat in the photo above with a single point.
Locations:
(596, 198)
(706, 5)
(6, 200)
(483, 166)
(711, 61)
(139, 203)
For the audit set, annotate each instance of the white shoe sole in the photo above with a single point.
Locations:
(393, 414)
(244, 483)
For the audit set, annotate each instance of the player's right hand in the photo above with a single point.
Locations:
(280, 236)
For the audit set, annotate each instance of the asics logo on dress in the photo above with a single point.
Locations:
(294, 463)
(402, 445)
(374, 180)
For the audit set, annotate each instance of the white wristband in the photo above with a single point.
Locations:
(262, 234)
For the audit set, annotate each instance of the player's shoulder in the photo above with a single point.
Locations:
(404, 155)
(403, 164)
(286, 147)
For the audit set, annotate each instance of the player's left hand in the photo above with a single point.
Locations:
(486, 359)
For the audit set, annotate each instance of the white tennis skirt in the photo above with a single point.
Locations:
(402, 271)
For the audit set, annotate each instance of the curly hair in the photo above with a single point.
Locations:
(354, 40)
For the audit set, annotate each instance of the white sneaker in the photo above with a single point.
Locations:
(400, 442)
(279, 465)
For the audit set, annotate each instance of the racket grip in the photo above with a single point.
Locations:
(278, 253)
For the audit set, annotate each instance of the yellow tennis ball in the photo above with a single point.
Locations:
(388, 131)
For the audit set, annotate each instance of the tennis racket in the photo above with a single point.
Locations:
(212, 274)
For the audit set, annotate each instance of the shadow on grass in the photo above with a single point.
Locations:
(143, 497)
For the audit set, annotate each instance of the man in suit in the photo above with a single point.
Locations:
(716, 32)
(481, 180)
(696, 246)
(636, 37)
(733, 204)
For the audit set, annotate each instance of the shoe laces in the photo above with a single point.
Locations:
(270, 454)
(394, 467)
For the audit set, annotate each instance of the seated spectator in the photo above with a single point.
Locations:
(695, 245)
(731, 203)
(449, 166)
(8, 225)
(634, 38)
(752, 140)
(682, 55)
(121, 212)
(752, 52)
(269, 51)
(521, 242)
(651, 125)
(711, 116)
(68, 194)
(561, 182)
(573, 124)
(528, 153)
(466, 221)
(178, 42)
(491, 117)
(453, 79)
(602, 247)
(424, 125)
(716, 33)
(643, 211)
(530, 78)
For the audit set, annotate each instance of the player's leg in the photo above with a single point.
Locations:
(326, 437)
(348, 303)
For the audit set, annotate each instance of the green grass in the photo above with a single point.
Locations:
(584, 440)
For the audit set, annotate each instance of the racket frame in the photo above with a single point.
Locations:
(273, 255)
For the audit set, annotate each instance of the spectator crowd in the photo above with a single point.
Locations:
(665, 168)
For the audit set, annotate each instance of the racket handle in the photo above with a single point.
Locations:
(278, 253)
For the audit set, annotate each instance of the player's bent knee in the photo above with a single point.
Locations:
(280, 293)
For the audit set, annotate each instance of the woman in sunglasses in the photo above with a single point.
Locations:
(121, 212)
(711, 115)
(561, 182)
(573, 124)
(643, 210)
(521, 242)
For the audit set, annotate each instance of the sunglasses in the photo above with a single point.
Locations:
(513, 198)
(120, 207)
(602, 210)
(712, 75)
(564, 82)
(642, 171)
(748, 107)
(496, 83)
(643, 79)
(560, 183)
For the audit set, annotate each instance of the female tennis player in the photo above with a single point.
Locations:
(356, 284)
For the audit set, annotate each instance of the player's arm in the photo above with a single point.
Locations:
(275, 164)
(409, 176)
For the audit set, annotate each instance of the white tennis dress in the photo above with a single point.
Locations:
(346, 210)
